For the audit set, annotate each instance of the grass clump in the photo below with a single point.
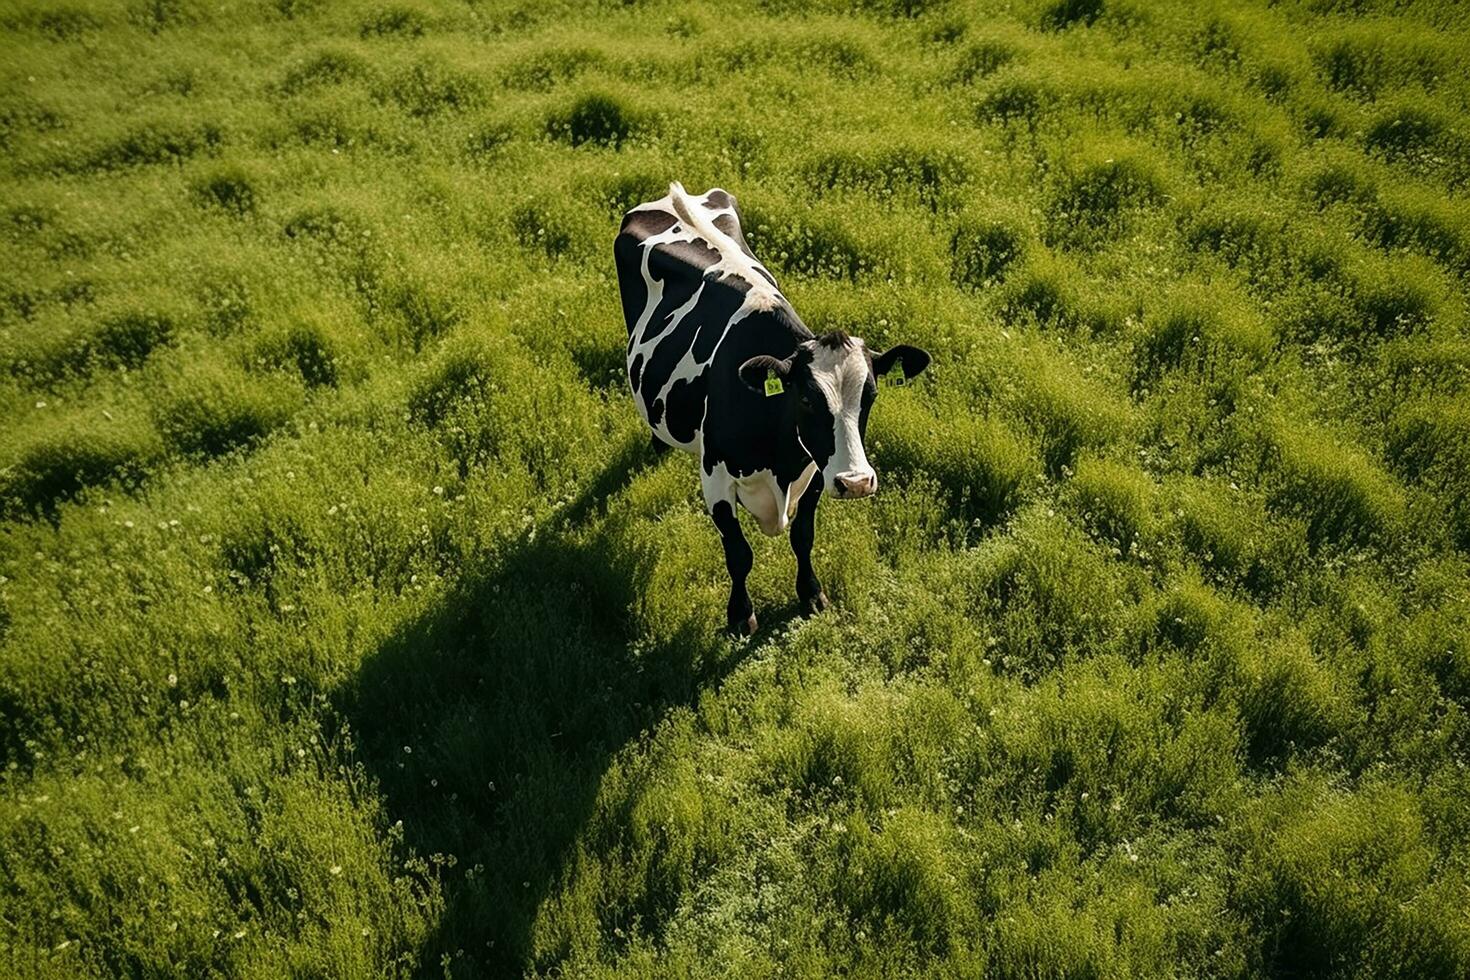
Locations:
(1015, 97)
(823, 244)
(1365, 300)
(305, 348)
(1403, 131)
(1192, 618)
(325, 225)
(984, 470)
(1416, 134)
(981, 59)
(1202, 332)
(231, 191)
(1429, 444)
(329, 67)
(1115, 502)
(1246, 235)
(1424, 366)
(1364, 63)
(210, 411)
(126, 339)
(840, 751)
(1024, 584)
(149, 145)
(983, 249)
(1063, 14)
(62, 24)
(1219, 44)
(340, 243)
(470, 397)
(1235, 540)
(1407, 218)
(1291, 705)
(487, 142)
(578, 329)
(1044, 290)
(931, 174)
(462, 376)
(840, 58)
(897, 884)
(1353, 65)
(61, 466)
(626, 190)
(1375, 900)
(257, 545)
(121, 340)
(1095, 201)
(598, 119)
(20, 118)
(545, 70)
(159, 15)
(428, 88)
(393, 22)
(1343, 497)
(1398, 297)
(1345, 180)
(420, 310)
(227, 300)
(552, 226)
(1322, 118)
(1067, 413)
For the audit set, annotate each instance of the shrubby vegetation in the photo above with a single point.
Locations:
(349, 628)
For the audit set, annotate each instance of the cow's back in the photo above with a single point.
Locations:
(687, 280)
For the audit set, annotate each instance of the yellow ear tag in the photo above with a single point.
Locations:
(773, 386)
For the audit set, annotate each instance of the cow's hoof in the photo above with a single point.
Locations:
(815, 604)
(742, 627)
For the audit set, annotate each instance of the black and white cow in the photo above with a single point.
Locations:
(722, 367)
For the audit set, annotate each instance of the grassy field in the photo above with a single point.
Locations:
(348, 628)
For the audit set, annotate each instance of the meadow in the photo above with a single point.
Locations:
(349, 628)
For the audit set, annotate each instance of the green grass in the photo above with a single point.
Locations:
(349, 628)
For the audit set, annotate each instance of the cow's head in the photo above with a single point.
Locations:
(829, 384)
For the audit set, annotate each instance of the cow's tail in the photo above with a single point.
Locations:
(694, 218)
(687, 213)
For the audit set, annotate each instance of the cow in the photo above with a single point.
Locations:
(721, 367)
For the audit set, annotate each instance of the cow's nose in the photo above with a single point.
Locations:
(855, 484)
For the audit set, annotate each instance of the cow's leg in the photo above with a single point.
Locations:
(739, 613)
(719, 498)
(803, 530)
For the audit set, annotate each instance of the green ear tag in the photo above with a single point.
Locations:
(773, 386)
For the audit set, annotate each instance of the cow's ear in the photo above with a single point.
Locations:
(913, 359)
(758, 369)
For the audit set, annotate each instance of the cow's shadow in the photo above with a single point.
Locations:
(489, 722)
